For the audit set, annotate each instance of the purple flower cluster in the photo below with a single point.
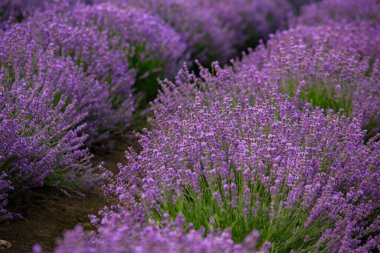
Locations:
(277, 152)
(305, 159)
(327, 78)
(13, 11)
(215, 29)
(355, 38)
(137, 28)
(199, 27)
(249, 28)
(110, 46)
(41, 130)
(344, 11)
(331, 65)
(272, 144)
(152, 48)
(111, 104)
(91, 96)
(120, 235)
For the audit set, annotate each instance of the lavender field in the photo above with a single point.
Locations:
(189, 126)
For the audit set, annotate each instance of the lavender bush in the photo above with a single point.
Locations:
(41, 129)
(108, 102)
(120, 235)
(278, 152)
(347, 11)
(327, 71)
(250, 20)
(14, 11)
(204, 33)
(263, 167)
(151, 48)
(125, 50)
(92, 97)
(355, 38)
(17, 10)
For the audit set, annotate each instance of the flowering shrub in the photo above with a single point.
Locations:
(264, 155)
(204, 33)
(151, 48)
(109, 100)
(91, 96)
(12, 11)
(117, 47)
(265, 167)
(41, 128)
(250, 20)
(317, 68)
(123, 236)
(326, 11)
(355, 38)
(17, 10)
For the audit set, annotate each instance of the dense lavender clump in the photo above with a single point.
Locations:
(205, 34)
(250, 20)
(125, 50)
(17, 10)
(278, 152)
(121, 235)
(152, 48)
(222, 163)
(13, 11)
(355, 38)
(340, 10)
(41, 128)
(91, 96)
(327, 71)
(110, 104)
(147, 34)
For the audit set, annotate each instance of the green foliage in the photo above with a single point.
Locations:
(245, 212)
(320, 94)
(148, 72)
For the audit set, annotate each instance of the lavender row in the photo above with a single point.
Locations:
(223, 163)
(278, 152)
(66, 84)
(41, 128)
(88, 67)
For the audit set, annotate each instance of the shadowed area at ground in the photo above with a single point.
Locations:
(49, 211)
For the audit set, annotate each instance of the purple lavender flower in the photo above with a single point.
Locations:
(228, 154)
(152, 48)
(41, 128)
(108, 100)
(12, 11)
(17, 10)
(326, 66)
(356, 38)
(121, 235)
(340, 10)
(137, 28)
(205, 34)
(249, 20)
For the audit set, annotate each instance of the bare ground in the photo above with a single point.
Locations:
(49, 211)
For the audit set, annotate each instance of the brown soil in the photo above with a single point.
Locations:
(48, 211)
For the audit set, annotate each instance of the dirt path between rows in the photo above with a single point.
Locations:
(49, 211)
